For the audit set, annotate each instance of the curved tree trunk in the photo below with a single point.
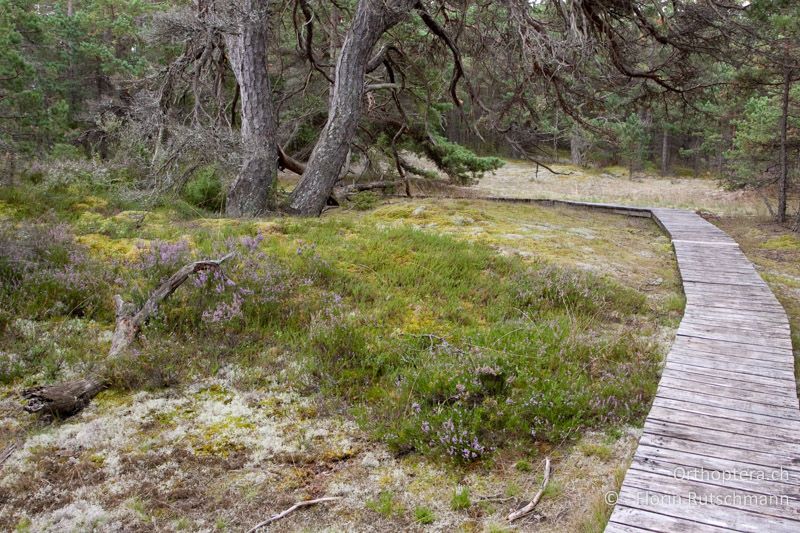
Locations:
(252, 192)
(372, 18)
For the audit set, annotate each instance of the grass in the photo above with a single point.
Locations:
(424, 516)
(386, 505)
(462, 333)
(460, 500)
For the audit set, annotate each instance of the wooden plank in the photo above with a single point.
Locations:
(754, 380)
(725, 346)
(655, 501)
(785, 454)
(689, 453)
(625, 528)
(755, 502)
(743, 319)
(689, 415)
(725, 389)
(685, 392)
(632, 517)
(722, 333)
(786, 429)
(725, 474)
(767, 361)
(713, 365)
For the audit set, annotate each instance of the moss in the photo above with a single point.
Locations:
(7, 210)
(89, 203)
(106, 248)
(215, 392)
(783, 242)
(222, 438)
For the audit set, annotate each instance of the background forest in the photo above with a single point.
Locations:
(163, 95)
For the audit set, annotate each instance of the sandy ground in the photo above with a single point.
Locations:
(521, 180)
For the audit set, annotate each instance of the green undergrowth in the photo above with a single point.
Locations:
(435, 343)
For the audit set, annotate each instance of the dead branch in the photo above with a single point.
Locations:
(358, 187)
(290, 510)
(289, 163)
(5, 454)
(130, 320)
(69, 398)
(528, 508)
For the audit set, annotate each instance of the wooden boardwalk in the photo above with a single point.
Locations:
(721, 445)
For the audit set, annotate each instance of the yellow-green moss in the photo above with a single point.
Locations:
(107, 248)
(219, 439)
(7, 210)
(784, 242)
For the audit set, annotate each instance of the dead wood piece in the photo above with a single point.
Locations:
(130, 320)
(62, 400)
(528, 508)
(5, 454)
(358, 187)
(289, 163)
(290, 510)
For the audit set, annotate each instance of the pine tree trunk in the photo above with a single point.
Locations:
(253, 190)
(664, 152)
(783, 183)
(576, 147)
(372, 18)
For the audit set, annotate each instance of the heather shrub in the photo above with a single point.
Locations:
(44, 273)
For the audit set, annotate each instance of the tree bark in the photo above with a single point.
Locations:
(783, 182)
(372, 18)
(252, 192)
(664, 152)
(576, 147)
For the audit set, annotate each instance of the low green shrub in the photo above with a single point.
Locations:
(205, 189)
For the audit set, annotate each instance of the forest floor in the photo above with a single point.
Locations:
(534, 331)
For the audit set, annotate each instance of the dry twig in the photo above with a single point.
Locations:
(5, 454)
(292, 509)
(528, 508)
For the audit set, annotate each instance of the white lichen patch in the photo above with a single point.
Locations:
(78, 516)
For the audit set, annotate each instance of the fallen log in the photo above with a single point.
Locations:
(65, 399)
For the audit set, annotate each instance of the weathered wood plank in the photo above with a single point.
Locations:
(725, 389)
(632, 517)
(786, 453)
(714, 457)
(727, 401)
(685, 392)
